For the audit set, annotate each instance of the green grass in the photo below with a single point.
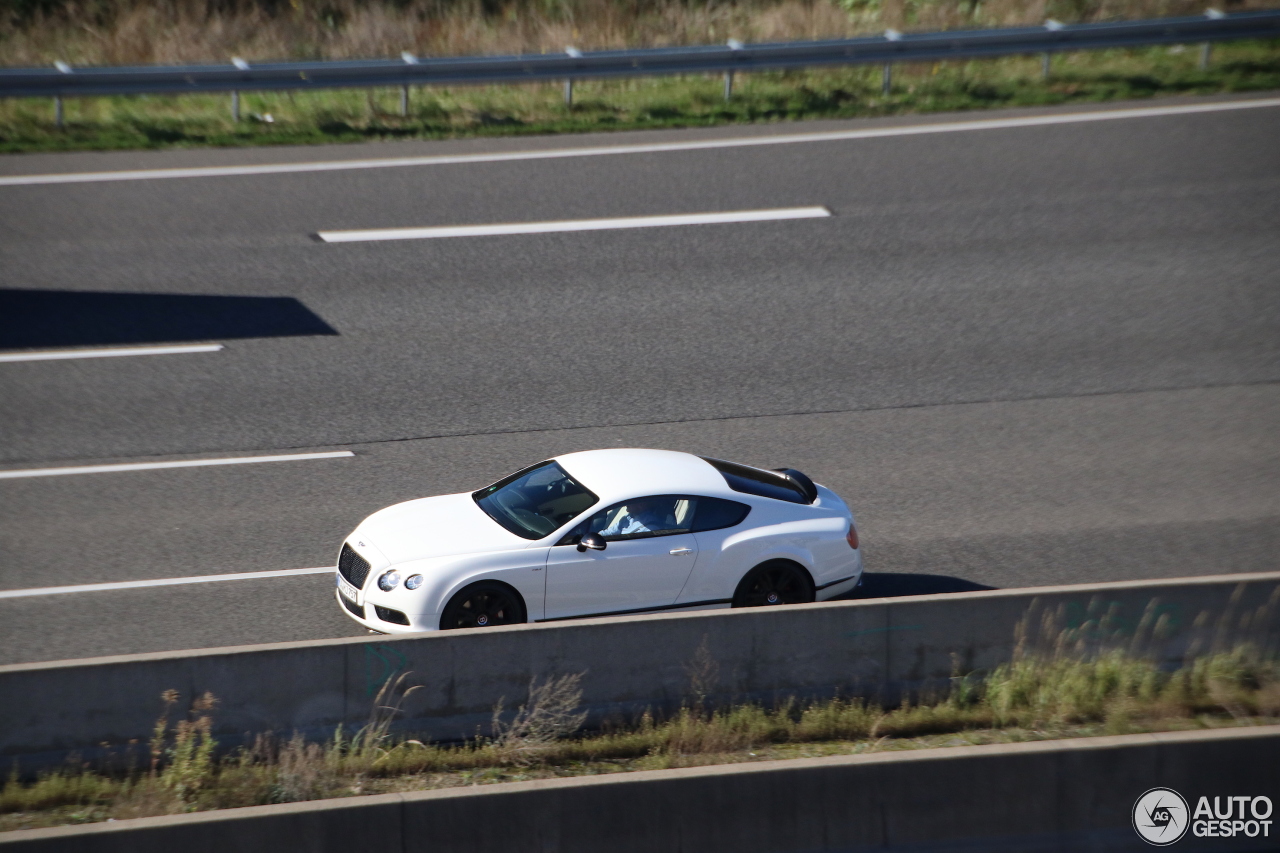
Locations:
(1030, 699)
(367, 115)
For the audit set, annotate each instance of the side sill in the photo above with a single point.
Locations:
(682, 606)
(833, 583)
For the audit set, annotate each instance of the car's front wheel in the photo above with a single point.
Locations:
(774, 582)
(483, 605)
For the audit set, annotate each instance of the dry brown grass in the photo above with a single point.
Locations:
(128, 32)
(550, 714)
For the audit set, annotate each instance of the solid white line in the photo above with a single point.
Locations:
(653, 148)
(151, 466)
(50, 355)
(574, 225)
(106, 587)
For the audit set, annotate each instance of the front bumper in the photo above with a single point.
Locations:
(368, 616)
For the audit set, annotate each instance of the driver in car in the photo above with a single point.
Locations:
(640, 516)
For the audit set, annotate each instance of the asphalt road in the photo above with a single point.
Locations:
(1026, 356)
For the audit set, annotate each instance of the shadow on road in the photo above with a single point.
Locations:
(887, 585)
(66, 318)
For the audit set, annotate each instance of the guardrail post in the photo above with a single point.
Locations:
(568, 83)
(235, 94)
(1207, 48)
(63, 68)
(886, 81)
(1052, 26)
(734, 44)
(408, 59)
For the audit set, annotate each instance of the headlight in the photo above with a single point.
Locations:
(413, 582)
(388, 581)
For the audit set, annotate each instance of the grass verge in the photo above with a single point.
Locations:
(1034, 698)
(643, 103)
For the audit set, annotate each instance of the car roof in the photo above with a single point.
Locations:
(618, 474)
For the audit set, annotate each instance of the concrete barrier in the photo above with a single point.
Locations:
(1066, 795)
(878, 648)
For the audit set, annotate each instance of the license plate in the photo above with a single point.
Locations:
(349, 592)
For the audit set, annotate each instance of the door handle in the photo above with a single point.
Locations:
(680, 552)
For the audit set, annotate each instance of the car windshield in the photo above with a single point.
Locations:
(536, 501)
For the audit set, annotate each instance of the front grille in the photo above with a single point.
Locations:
(352, 566)
(355, 609)
(386, 614)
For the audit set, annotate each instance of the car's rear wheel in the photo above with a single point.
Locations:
(774, 582)
(483, 605)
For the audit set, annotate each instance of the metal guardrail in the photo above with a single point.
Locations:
(892, 47)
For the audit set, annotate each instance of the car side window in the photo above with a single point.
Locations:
(718, 513)
(638, 518)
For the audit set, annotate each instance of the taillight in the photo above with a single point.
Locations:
(852, 537)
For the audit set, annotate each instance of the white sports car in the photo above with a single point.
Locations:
(600, 533)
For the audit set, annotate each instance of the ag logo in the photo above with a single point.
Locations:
(1160, 816)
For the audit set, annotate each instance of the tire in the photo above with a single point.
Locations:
(772, 583)
(483, 605)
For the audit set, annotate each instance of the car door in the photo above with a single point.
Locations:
(646, 560)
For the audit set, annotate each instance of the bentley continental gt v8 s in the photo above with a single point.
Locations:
(600, 533)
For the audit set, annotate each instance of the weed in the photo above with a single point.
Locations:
(190, 764)
(550, 713)
(703, 673)
(55, 789)
(304, 771)
(370, 742)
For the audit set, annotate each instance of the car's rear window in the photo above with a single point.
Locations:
(534, 502)
(759, 482)
(718, 513)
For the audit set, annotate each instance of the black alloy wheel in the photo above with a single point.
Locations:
(774, 582)
(483, 605)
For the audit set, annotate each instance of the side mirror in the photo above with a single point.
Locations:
(592, 541)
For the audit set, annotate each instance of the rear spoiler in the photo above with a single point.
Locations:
(803, 482)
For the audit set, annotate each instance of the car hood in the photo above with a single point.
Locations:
(435, 527)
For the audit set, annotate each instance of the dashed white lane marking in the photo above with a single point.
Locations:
(152, 466)
(573, 225)
(107, 587)
(52, 355)
(653, 148)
